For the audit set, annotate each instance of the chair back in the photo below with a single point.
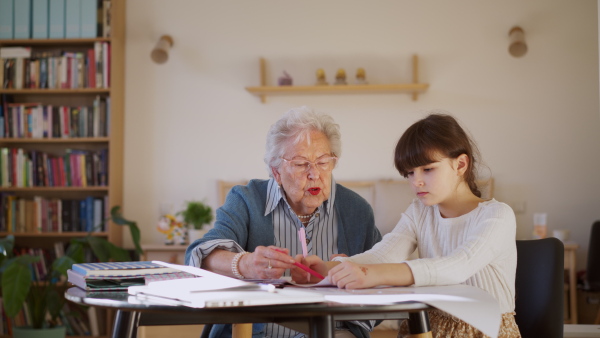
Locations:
(593, 259)
(539, 287)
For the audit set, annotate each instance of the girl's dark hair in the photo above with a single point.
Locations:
(436, 134)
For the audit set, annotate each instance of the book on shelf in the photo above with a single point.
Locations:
(15, 52)
(22, 20)
(72, 19)
(26, 67)
(6, 19)
(103, 283)
(56, 24)
(39, 19)
(43, 215)
(89, 18)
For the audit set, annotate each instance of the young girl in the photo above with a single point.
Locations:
(461, 238)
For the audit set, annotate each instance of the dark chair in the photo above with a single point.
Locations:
(592, 275)
(539, 287)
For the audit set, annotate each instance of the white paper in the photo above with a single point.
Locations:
(471, 304)
(224, 298)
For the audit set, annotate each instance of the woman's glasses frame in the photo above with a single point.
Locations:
(323, 164)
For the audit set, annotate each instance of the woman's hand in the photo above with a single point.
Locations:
(349, 275)
(314, 262)
(265, 263)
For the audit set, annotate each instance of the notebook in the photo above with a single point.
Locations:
(212, 299)
(214, 290)
(121, 269)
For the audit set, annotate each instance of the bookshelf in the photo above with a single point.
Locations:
(414, 88)
(112, 191)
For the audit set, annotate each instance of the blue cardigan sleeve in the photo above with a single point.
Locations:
(357, 232)
(243, 206)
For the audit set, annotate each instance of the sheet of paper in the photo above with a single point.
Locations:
(224, 298)
(208, 281)
(323, 283)
(469, 303)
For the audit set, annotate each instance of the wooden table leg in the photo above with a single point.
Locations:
(572, 288)
(242, 330)
(418, 325)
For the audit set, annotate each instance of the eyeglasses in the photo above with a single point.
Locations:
(324, 164)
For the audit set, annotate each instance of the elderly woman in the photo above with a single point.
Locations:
(256, 230)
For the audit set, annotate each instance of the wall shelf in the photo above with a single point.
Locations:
(415, 87)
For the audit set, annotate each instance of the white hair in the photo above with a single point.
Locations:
(295, 126)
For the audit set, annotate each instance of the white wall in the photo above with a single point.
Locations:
(190, 122)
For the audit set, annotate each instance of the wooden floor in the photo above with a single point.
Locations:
(193, 331)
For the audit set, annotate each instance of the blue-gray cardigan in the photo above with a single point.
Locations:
(242, 219)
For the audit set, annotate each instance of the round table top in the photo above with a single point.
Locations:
(123, 301)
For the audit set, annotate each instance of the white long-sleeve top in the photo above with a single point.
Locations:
(477, 248)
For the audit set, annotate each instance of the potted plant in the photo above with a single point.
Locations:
(196, 215)
(46, 297)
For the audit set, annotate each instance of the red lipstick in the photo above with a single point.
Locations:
(314, 191)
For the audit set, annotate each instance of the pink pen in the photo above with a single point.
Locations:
(304, 267)
(302, 237)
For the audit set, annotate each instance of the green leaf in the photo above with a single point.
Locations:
(16, 282)
(6, 245)
(37, 305)
(62, 264)
(55, 303)
(100, 248)
(117, 218)
(136, 236)
(118, 254)
(76, 250)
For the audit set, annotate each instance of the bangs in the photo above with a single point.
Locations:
(414, 149)
(412, 158)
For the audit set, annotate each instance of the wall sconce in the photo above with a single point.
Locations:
(160, 53)
(517, 47)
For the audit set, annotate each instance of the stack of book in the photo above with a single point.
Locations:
(118, 276)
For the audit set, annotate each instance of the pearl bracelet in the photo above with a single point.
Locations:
(234, 264)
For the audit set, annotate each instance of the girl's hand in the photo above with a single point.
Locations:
(348, 275)
(314, 262)
(266, 263)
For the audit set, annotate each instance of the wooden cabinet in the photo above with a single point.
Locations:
(414, 88)
(110, 191)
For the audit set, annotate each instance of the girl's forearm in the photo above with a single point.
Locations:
(393, 274)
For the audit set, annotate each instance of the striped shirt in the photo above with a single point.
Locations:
(321, 238)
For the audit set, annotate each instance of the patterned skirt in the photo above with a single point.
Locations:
(446, 325)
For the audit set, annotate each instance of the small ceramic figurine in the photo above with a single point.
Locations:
(340, 77)
(321, 77)
(285, 80)
(361, 77)
(175, 230)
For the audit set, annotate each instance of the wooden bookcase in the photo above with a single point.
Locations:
(113, 191)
